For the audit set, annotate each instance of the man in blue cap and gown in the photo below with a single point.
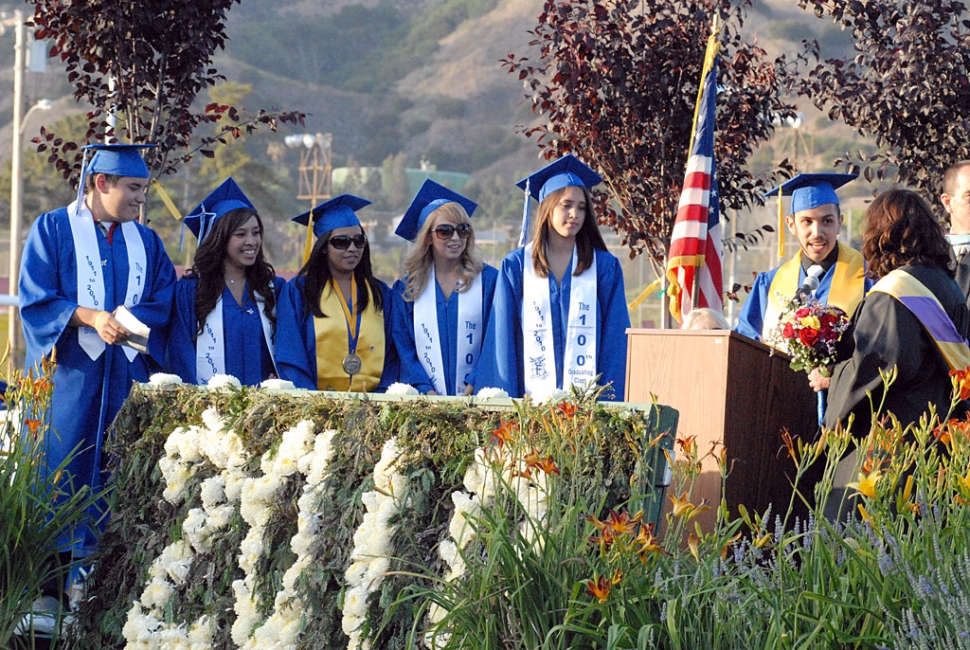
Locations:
(816, 220)
(84, 267)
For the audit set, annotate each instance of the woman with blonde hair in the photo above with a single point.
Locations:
(559, 317)
(439, 309)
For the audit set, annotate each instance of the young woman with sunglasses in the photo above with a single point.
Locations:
(440, 308)
(559, 317)
(334, 325)
(224, 319)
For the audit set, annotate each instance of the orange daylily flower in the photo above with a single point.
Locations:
(567, 409)
(960, 379)
(683, 508)
(32, 426)
(727, 546)
(648, 542)
(600, 589)
(688, 444)
(866, 485)
(547, 464)
(505, 432)
(693, 542)
(764, 540)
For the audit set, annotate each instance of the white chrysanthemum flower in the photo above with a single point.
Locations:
(491, 393)
(223, 381)
(399, 388)
(156, 594)
(161, 379)
(235, 482)
(355, 602)
(277, 384)
(213, 491)
(200, 633)
(550, 396)
(171, 443)
(212, 420)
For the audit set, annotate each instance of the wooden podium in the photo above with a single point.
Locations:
(728, 389)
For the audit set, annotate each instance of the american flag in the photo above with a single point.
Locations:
(694, 259)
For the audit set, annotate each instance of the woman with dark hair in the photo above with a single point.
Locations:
(559, 317)
(333, 330)
(914, 318)
(441, 306)
(227, 298)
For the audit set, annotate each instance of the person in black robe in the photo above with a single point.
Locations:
(900, 233)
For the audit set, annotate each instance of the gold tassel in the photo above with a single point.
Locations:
(166, 199)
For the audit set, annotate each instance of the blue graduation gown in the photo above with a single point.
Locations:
(402, 314)
(296, 345)
(87, 393)
(752, 315)
(248, 358)
(501, 363)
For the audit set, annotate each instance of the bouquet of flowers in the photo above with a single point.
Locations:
(808, 331)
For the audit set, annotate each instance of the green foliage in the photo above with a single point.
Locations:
(37, 508)
(437, 441)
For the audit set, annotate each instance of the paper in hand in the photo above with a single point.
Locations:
(139, 331)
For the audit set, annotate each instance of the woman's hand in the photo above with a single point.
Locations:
(820, 378)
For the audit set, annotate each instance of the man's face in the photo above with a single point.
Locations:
(123, 200)
(817, 230)
(957, 204)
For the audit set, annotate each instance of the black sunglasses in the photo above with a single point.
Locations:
(343, 242)
(447, 231)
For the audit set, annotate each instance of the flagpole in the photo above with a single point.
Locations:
(713, 45)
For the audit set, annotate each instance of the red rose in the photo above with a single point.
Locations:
(828, 320)
(809, 336)
(803, 312)
(789, 331)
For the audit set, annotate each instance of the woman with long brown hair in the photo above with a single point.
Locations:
(228, 298)
(334, 324)
(559, 316)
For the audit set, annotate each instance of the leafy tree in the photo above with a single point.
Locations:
(144, 62)
(616, 83)
(906, 86)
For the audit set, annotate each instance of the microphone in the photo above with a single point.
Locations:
(811, 281)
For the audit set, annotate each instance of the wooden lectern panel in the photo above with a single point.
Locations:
(728, 390)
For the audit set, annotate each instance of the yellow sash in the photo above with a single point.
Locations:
(927, 308)
(333, 345)
(846, 290)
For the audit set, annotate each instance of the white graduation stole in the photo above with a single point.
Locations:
(210, 348)
(469, 334)
(90, 278)
(579, 366)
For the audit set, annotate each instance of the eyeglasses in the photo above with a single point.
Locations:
(447, 231)
(343, 242)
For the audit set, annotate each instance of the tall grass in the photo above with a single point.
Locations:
(892, 572)
(35, 509)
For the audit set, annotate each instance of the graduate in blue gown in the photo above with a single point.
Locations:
(559, 315)
(225, 306)
(81, 265)
(449, 287)
(815, 219)
(333, 324)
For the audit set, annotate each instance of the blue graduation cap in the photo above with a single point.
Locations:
(338, 212)
(225, 198)
(568, 171)
(429, 198)
(117, 159)
(809, 191)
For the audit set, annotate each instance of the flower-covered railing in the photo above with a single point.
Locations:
(258, 518)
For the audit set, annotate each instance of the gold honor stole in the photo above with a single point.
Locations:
(333, 344)
(846, 290)
(928, 310)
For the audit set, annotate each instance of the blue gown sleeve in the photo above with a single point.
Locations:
(44, 310)
(614, 322)
(180, 356)
(402, 331)
(295, 350)
(500, 364)
(392, 362)
(752, 315)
